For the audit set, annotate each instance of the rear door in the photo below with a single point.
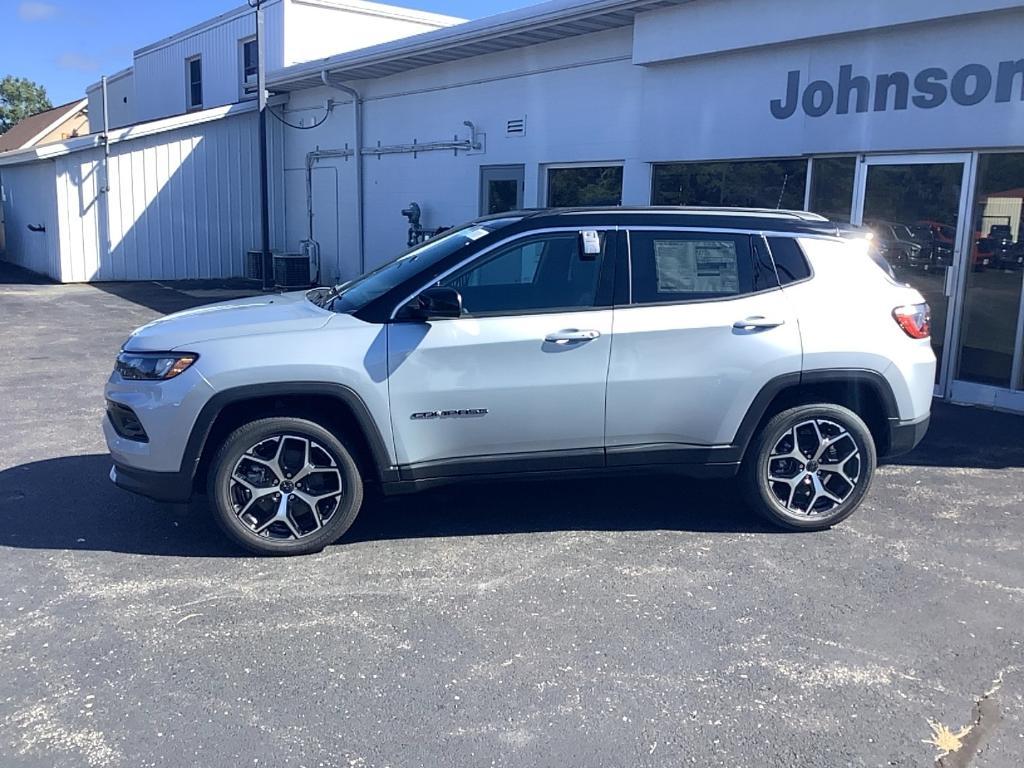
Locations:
(705, 328)
(520, 373)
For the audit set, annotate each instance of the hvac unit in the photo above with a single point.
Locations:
(254, 265)
(291, 270)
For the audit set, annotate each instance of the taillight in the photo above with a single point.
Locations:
(914, 319)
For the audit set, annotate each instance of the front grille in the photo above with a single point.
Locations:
(126, 423)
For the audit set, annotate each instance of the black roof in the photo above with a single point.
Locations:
(756, 219)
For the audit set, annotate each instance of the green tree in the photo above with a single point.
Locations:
(19, 98)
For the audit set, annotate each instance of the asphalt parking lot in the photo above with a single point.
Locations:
(601, 623)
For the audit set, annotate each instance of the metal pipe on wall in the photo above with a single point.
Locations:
(357, 106)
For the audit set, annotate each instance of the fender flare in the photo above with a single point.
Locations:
(774, 387)
(345, 395)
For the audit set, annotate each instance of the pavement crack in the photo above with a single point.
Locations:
(959, 748)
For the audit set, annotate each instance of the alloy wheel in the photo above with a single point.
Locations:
(813, 468)
(286, 487)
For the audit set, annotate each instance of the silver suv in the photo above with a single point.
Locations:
(768, 345)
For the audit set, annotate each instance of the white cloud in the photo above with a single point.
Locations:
(77, 61)
(32, 10)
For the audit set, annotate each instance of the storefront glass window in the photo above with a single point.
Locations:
(748, 184)
(584, 186)
(912, 208)
(832, 187)
(992, 302)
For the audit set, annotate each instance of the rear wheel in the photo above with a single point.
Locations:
(284, 486)
(810, 467)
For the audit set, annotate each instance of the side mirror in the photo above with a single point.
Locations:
(436, 302)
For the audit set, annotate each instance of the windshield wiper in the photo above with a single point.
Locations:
(323, 299)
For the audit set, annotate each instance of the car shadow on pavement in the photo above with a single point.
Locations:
(968, 437)
(644, 502)
(70, 504)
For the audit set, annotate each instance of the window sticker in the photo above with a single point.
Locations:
(591, 242)
(696, 266)
(476, 234)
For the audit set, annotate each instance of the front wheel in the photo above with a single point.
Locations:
(810, 467)
(284, 486)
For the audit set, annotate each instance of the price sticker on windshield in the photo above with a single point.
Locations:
(591, 242)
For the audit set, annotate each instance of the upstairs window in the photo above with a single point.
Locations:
(249, 65)
(194, 78)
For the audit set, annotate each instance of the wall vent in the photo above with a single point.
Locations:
(516, 127)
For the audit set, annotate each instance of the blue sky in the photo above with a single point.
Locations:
(68, 44)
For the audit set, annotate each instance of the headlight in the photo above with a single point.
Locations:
(153, 366)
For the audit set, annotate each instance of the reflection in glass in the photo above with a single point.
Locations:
(502, 195)
(569, 187)
(992, 301)
(748, 184)
(912, 210)
(832, 187)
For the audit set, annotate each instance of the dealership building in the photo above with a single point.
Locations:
(908, 117)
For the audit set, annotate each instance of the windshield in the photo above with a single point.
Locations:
(357, 293)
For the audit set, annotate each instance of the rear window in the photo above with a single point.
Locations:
(675, 266)
(790, 262)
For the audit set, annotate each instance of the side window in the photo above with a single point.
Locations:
(249, 64)
(789, 259)
(538, 274)
(688, 266)
(194, 73)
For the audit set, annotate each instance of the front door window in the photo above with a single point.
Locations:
(501, 189)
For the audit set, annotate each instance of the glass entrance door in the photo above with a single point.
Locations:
(916, 207)
(990, 364)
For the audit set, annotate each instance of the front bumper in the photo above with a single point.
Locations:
(904, 436)
(174, 487)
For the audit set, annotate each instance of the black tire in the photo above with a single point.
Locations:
(223, 490)
(782, 506)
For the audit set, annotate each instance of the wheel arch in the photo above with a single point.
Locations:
(863, 391)
(334, 406)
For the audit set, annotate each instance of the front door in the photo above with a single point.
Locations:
(501, 188)
(916, 206)
(521, 372)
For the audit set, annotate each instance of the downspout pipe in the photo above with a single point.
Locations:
(357, 103)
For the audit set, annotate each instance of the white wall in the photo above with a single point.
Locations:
(711, 27)
(316, 29)
(120, 102)
(574, 114)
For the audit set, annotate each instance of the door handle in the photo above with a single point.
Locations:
(571, 336)
(757, 321)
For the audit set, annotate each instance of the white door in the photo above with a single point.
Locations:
(706, 328)
(522, 371)
(917, 207)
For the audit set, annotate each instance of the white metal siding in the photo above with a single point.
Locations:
(29, 200)
(160, 72)
(183, 203)
(120, 103)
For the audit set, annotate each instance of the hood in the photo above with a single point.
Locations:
(273, 313)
